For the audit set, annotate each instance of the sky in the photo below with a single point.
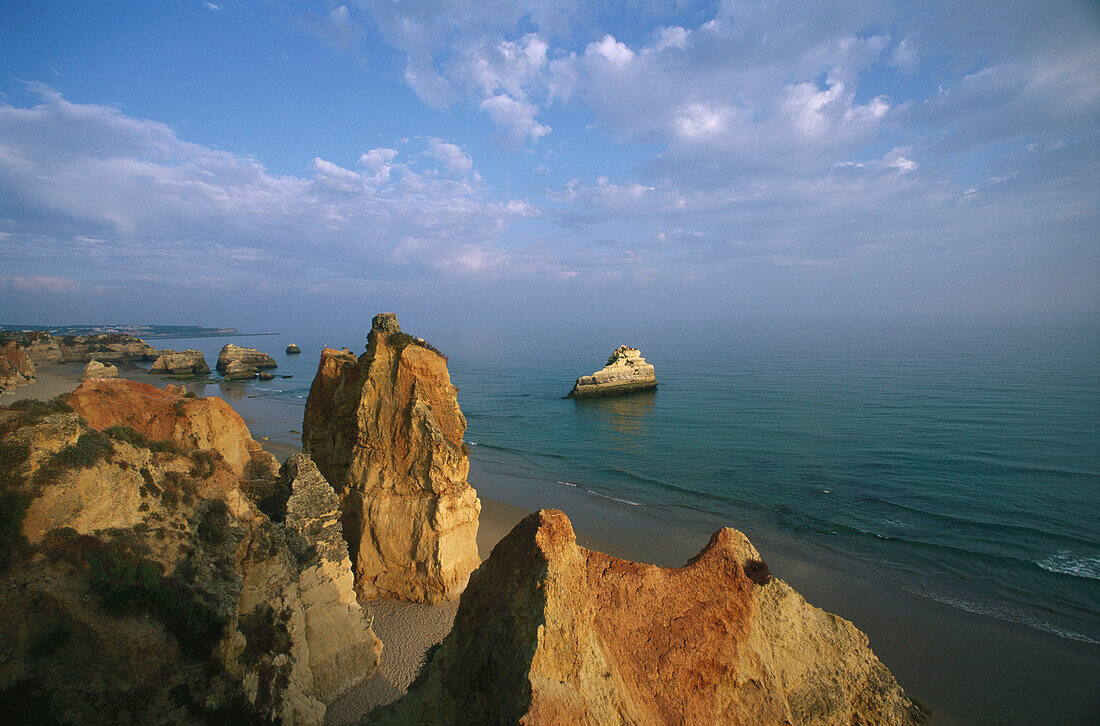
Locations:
(271, 165)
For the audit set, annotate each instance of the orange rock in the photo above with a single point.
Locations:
(386, 430)
(16, 366)
(162, 415)
(549, 632)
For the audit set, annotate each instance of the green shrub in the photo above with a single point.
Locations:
(402, 340)
(128, 583)
(212, 525)
(203, 463)
(13, 545)
(139, 440)
(91, 448)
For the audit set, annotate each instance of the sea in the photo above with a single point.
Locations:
(955, 462)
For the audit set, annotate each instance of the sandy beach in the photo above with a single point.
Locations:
(968, 668)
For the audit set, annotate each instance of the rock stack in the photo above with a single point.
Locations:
(386, 430)
(181, 363)
(626, 372)
(239, 364)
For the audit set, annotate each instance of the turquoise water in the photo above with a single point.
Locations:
(958, 463)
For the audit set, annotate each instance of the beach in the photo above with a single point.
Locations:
(969, 668)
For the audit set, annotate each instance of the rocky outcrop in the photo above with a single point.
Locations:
(239, 371)
(249, 357)
(626, 372)
(41, 347)
(293, 349)
(549, 632)
(169, 415)
(145, 584)
(386, 430)
(95, 369)
(342, 647)
(16, 367)
(112, 347)
(180, 363)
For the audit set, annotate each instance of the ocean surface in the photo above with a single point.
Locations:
(959, 463)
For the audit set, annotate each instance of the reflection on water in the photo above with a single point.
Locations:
(232, 392)
(623, 415)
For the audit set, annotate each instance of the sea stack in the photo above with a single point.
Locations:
(293, 349)
(549, 632)
(181, 363)
(626, 372)
(386, 431)
(249, 357)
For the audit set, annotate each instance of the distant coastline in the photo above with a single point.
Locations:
(147, 332)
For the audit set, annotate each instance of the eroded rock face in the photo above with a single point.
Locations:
(239, 371)
(114, 347)
(95, 369)
(386, 430)
(343, 649)
(168, 415)
(41, 347)
(626, 371)
(180, 363)
(146, 585)
(16, 367)
(249, 357)
(549, 632)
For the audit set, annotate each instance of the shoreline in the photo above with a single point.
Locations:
(969, 668)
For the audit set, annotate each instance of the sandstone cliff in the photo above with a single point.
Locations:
(549, 632)
(113, 347)
(169, 415)
(626, 371)
(16, 367)
(248, 357)
(180, 363)
(143, 583)
(386, 430)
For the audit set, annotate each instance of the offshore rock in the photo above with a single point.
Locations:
(181, 363)
(293, 349)
(239, 371)
(16, 367)
(626, 371)
(386, 430)
(95, 369)
(208, 424)
(248, 356)
(145, 584)
(343, 650)
(549, 632)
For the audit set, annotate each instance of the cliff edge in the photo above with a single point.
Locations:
(549, 632)
(626, 372)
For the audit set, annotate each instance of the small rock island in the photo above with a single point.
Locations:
(626, 372)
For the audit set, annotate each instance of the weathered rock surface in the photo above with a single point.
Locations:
(41, 347)
(549, 632)
(95, 369)
(343, 649)
(180, 363)
(162, 415)
(293, 349)
(239, 371)
(265, 376)
(626, 371)
(386, 430)
(248, 356)
(144, 584)
(16, 367)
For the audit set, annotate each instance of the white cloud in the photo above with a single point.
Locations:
(515, 118)
(110, 193)
(337, 29)
(456, 160)
(611, 50)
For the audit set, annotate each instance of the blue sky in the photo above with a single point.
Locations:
(241, 162)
